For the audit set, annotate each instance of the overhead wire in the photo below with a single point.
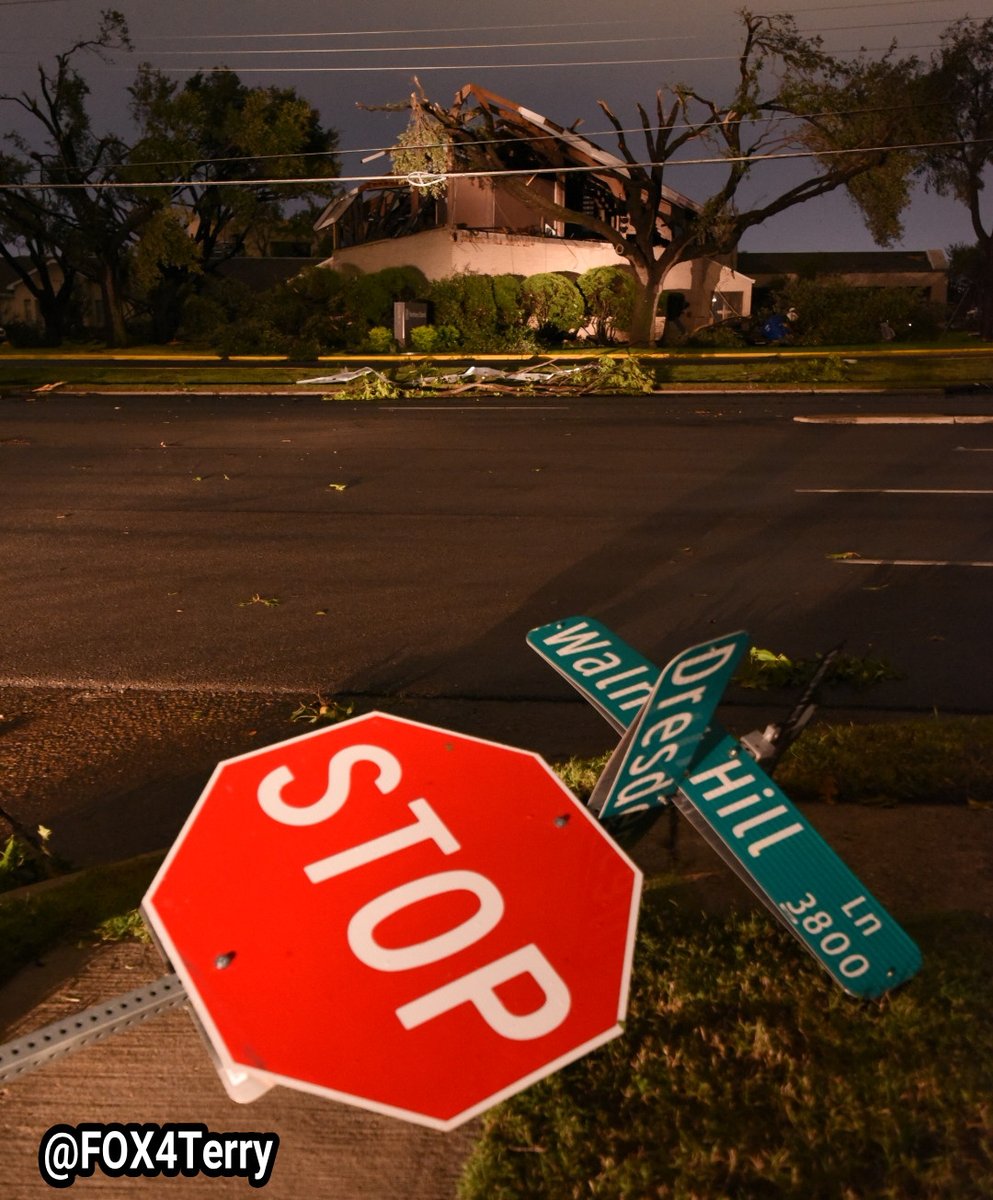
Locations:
(527, 139)
(399, 180)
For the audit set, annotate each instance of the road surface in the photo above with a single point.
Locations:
(290, 543)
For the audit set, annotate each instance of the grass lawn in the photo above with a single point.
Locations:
(743, 1073)
(956, 362)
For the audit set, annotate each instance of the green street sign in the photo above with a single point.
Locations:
(758, 831)
(668, 729)
(614, 678)
(740, 811)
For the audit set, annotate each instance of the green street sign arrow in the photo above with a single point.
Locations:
(746, 817)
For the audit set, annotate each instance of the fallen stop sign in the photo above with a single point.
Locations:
(397, 916)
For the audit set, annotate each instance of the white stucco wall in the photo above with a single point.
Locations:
(442, 252)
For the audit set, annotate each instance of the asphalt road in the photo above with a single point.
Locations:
(146, 540)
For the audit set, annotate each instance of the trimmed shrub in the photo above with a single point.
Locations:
(834, 313)
(23, 335)
(429, 339)
(466, 303)
(609, 294)
(553, 304)
(379, 340)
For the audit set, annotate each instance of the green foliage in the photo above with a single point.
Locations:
(368, 299)
(716, 337)
(165, 245)
(123, 927)
(423, 339)
(835, 313)
(744, 1072)
(323, 709)
(20, 864)
(625, 376)
(765, 669)
(429, 339)
(830, 369)
(507, 298)
(379, 340)
(371, 386)
(34, 919)
(24, 335)
(936, 760)
(423, 150)
(317, 311)
(465, 302)
(609, 294)
(553, 304)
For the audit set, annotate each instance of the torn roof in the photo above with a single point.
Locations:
(570, 149)
(515, 118)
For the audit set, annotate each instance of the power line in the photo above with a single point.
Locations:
(449, 46)
(501, 66)
(343, 33)
(284, 52)
(440, 176)
(379, 151)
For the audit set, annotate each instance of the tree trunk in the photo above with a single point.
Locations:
(55, 316)
(984, 289)
(646, 303)
(113, 308)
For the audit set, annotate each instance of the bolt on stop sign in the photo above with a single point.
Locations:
(396, 916)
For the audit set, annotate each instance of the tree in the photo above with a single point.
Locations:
(231, 153)
(789, 96)
(71, 219)
(960, 115)
(31, 251)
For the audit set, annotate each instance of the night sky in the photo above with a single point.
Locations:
(557, 57)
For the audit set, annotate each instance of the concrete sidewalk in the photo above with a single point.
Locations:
(159, 1071)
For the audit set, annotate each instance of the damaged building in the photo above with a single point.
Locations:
(485, 224)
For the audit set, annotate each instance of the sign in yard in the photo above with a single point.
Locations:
(396, 916)
(727, 797)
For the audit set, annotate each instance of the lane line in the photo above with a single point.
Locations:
(907, 562)
(976, 449)
(893, 491)
(931, 419)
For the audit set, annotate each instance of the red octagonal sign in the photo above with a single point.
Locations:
(397, 916)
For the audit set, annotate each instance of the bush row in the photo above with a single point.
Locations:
(323, 310)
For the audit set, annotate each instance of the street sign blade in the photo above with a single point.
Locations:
(761, 834)
(668, 729)
(613, 677)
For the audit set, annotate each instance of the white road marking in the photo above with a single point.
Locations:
(894, 491)
(908, 562)
(895, 419)
(976, 449)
